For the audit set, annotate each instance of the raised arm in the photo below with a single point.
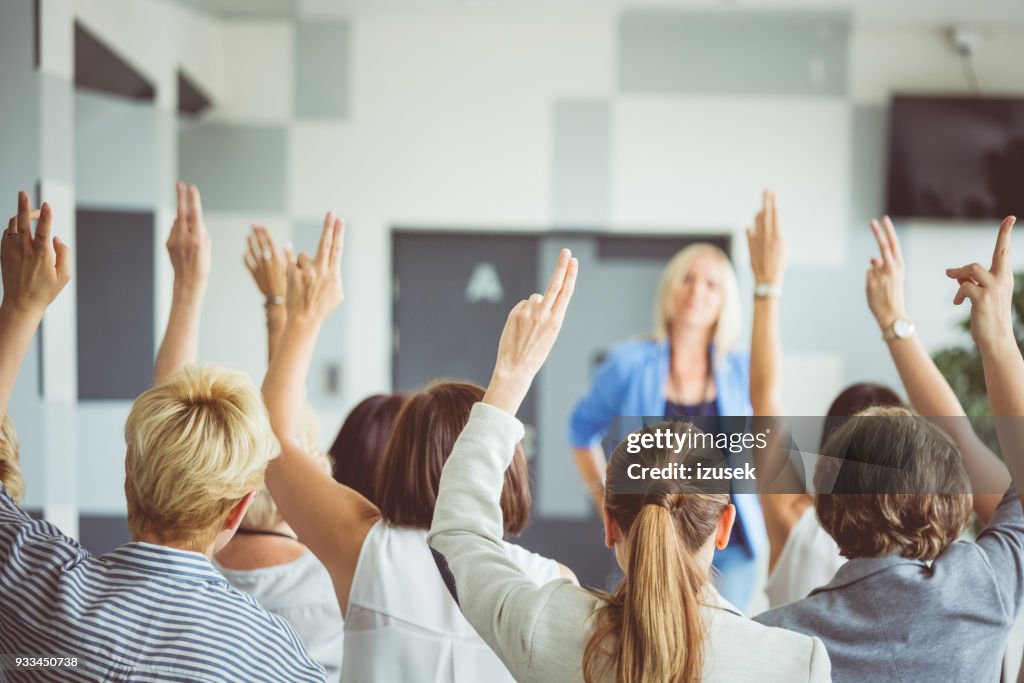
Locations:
(496, 597)
(189, 249)
(330, 518)
(929, 392)
(34, 272)
(990, 292)
(268, 265)
(782, 511)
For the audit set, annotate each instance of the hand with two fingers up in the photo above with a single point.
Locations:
(314, 282)
(189, 243)
(35, 266)
(887, 276)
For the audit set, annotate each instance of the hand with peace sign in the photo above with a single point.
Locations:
(886, 277)
(189, 243)
(35, 268)
(990, 292)
(529, 334)
(314, 283)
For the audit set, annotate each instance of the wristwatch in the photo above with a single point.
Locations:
(901, 328)
(767, 290)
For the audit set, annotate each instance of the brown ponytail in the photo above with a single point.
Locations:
(650, 628)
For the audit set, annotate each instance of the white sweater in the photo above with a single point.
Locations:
(540, 632)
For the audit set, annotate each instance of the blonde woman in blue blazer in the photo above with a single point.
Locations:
(691, 367)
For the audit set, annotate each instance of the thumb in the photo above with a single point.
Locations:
(63, 264)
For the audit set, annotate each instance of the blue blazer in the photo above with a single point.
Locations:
(631, 382)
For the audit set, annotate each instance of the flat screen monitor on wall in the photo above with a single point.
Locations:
(956, 157)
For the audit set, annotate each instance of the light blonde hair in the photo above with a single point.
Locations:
(10, 469)
(263, 512)
(650, 627)
(727, 328)
(196, 445)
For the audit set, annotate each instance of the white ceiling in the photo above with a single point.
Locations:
(915, 11)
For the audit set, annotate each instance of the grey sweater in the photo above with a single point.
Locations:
(540, 633)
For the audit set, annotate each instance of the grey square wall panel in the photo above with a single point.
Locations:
(238, 167)
(114, 274)
(322, 70)
(120, 149)
(732, 53)
(870, 141)
(102, 533)
(582, 175)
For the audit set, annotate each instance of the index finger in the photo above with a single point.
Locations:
(568, 285)
(180, 191)
(195, 208)
(1001, 255)
(771, 212)
(883, 241)
(43, 224)
(557, 278)
(323, 249)
(24, 215)
(894, 242)
(337, 245)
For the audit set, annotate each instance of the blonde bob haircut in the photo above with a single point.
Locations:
(727, 329)
(263, 512)
(196, 445)
(10, 469)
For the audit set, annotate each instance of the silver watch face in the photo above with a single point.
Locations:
(902, 328)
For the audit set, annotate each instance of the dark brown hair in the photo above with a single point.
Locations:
(423, 436)
(650, 628)
(854, 399)
(359, 448)
(897, 485)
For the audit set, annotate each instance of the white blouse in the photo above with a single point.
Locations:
(301, 593)
(809, 559)
(402, 623)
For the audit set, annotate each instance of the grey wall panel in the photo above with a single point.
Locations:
(322, 70)
(238, 167)
(867, 194)
(19, 102)
(114, 273)
(17, 30)
(57, 145)
(101, 453)
(723, 52)
(582, 175)
(118, 158)
(102, 533)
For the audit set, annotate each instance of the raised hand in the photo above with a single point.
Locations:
(990, 291)
(189, 243)
(268, 264)
(314, 283)
(767, 248)
(529, 334)
(34, 272)
(886, 277)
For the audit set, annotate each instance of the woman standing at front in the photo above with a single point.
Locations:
(690, 368)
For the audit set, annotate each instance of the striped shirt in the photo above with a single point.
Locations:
(141, 612)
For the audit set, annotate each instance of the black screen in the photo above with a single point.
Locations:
(955, 157)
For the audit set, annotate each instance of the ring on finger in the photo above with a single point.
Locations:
(267, 255)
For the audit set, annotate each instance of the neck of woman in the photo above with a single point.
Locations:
(688, 348)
